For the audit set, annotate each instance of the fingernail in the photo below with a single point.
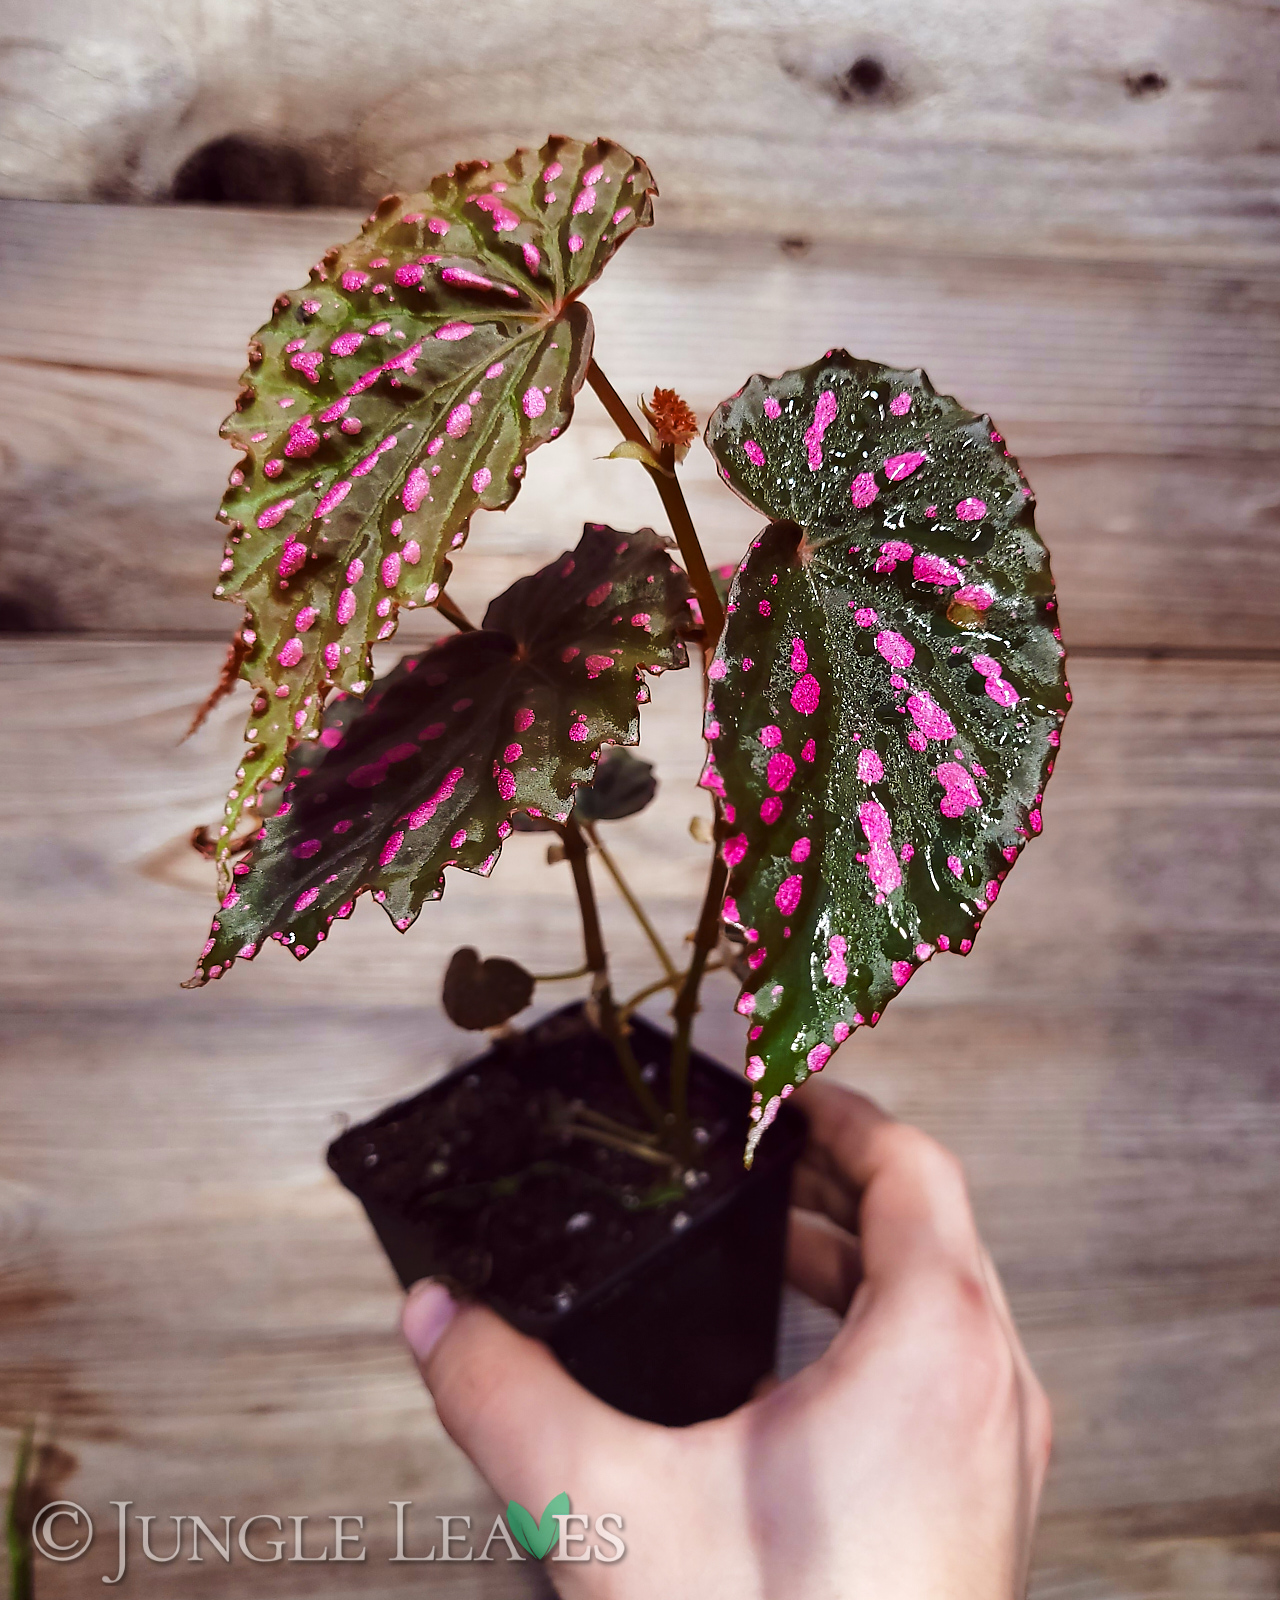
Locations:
(428, 1311)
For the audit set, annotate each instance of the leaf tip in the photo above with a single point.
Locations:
(237, 653)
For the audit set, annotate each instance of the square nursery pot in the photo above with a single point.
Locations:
(667, 1311)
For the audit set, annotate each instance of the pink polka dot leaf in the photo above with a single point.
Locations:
(398, 392)
(428, 769)
(885, 753)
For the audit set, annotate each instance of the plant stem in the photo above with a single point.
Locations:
(624, 889)
(656, 987)
(455, 614)
(641, 1152)
(686, 1006)
(597, 1119)
(673, 501)
(559, 977)
(576, 852)
(659, 984)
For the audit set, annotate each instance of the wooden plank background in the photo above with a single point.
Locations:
(1081, 126)
(195, 1311)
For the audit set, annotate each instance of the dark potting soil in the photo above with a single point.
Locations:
(518, 1210)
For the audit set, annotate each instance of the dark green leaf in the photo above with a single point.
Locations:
(484, 994)
(623, 785)
(427, 771)
(885, 700)
(401, 389)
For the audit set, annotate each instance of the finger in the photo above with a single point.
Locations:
(815, 1186)
(841, 1124)
(1038, 1414)
(1000, 1302)
(914, 1210)
(505, 1399)
(995, 1288)
(834, 1167)
(823, 1261)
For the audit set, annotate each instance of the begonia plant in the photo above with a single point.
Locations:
(884, 674)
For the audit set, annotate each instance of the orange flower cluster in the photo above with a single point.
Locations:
(671, 420)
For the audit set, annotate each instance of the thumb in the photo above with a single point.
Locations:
(505, 1399)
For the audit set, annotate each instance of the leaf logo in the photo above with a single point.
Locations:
(537, 1537)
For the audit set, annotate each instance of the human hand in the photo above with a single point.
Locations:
(904, 1464)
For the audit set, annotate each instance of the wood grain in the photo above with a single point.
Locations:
(1142, 400)
(202, 1315)
(1026, 127)
(194, 1308)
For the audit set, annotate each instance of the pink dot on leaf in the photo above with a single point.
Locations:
(863, 490)
(787, 898)
(898, 467)
(780, 771)
(805, 695)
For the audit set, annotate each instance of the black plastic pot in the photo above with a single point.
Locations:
(685, 1330)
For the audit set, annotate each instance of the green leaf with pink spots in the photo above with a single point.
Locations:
(399, 391)
(427, 771)
(885, 701)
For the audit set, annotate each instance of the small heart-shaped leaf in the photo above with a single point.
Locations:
(537, 1537)
(392, 396)
(484, 994)
(428, 770)
(623, 786)
(885, 700)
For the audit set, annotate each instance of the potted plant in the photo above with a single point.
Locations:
(884, 693)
